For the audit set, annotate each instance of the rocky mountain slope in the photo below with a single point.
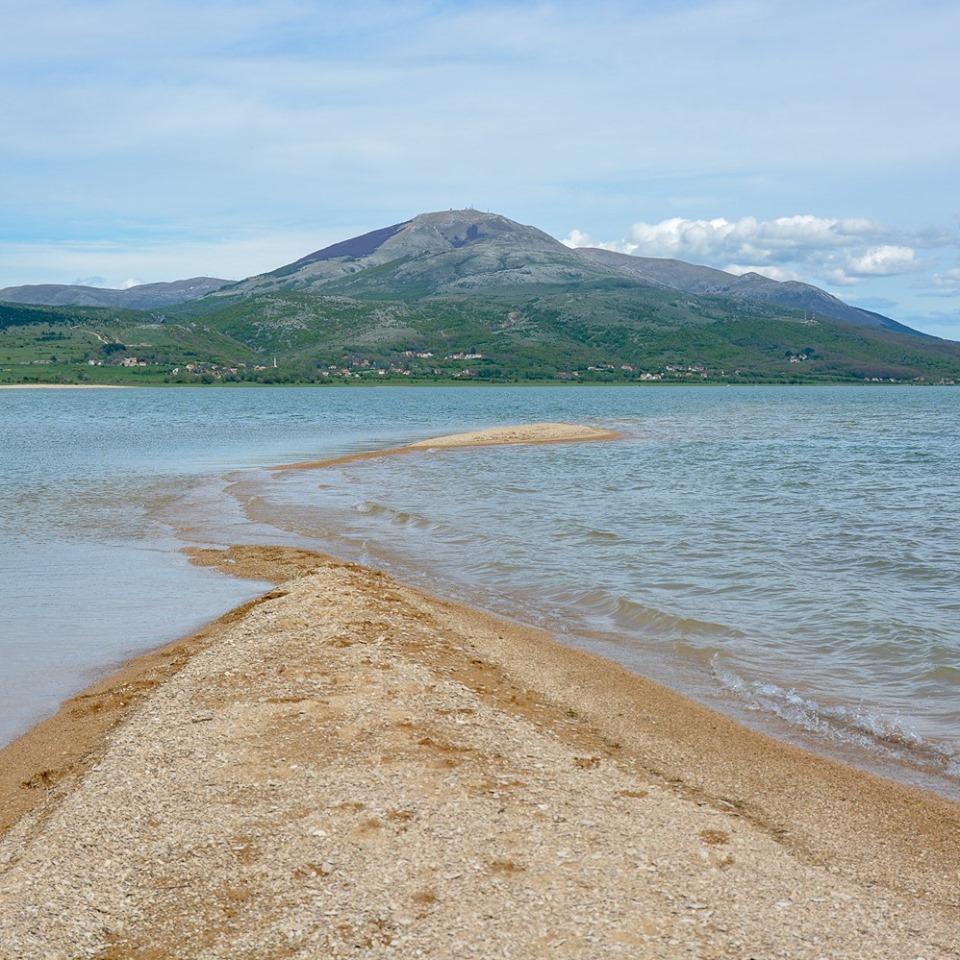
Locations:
(454, 251)
(692, 278)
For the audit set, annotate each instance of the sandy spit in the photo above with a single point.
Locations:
(528, 433)
(348, 767)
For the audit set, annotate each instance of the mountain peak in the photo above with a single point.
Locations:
(442, 250)
(459, 228)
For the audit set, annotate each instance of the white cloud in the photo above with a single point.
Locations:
(887, 260)
(840, 251)
(765, 270)
(748, 239)
(577, 238)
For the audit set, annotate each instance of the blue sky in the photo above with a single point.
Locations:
(156, 140)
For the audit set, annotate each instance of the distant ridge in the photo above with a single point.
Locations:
(145, 296)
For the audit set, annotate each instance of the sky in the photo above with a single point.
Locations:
(144, 141)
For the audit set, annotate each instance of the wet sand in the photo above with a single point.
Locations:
(530, 433)
(351, 767)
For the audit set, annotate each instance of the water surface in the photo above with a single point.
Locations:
(789, 555)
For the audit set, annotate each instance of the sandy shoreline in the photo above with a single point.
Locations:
(349, 767)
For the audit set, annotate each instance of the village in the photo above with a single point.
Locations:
(414, 364)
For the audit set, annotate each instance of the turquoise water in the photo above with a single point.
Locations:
(788, 555)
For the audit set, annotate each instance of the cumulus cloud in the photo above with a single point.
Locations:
(839, 250)
(884, 261)
(577, 238)
(763, 241)
(747, 239)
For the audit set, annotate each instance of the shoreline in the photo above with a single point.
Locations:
(466, 384)
(65, 386)
(789, 810)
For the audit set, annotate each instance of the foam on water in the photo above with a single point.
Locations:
(842, 723)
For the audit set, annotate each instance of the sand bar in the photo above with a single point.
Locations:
(351, 767)
(528, 433)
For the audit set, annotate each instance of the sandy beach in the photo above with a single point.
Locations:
(350, 767)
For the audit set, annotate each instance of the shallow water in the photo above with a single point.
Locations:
(790, 555)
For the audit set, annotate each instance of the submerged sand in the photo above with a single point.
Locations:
(527, 433)
(350, 767)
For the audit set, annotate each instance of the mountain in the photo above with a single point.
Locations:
(454, 251)
(145, 296)
(461, 251)
(691, 278)
(461, 295)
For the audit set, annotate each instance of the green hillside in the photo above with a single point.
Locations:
(595, 332)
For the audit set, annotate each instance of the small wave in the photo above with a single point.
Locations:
(630, 615)
(943, 674)
(401, 517)
(592, 534)
(840, 724)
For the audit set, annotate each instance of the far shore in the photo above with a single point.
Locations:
(407, 384)
(64, 386)
(349, 766)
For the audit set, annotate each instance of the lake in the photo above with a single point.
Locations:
(788, 555)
